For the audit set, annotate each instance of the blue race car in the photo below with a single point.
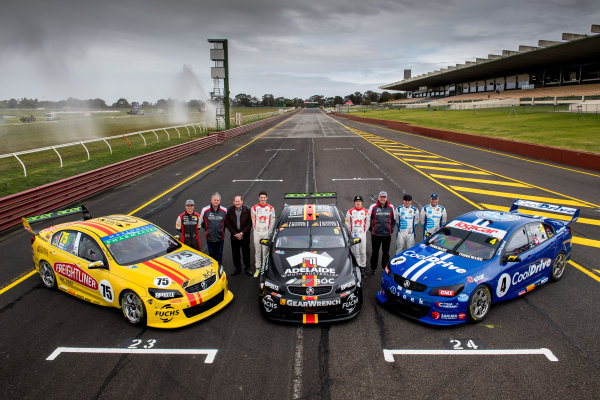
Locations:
(475, 260)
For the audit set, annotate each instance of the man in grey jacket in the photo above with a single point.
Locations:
(213, 222)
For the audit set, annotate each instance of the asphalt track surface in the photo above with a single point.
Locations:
(255, 358)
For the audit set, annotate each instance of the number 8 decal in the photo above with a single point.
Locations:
(503, 285)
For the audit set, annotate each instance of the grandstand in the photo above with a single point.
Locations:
(563, 72)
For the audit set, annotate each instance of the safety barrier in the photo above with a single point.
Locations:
(57, 194)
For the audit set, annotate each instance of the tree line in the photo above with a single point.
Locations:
(240, 100)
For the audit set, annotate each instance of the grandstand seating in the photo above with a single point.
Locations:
(550, 91)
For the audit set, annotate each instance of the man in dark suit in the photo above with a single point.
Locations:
(239, 224)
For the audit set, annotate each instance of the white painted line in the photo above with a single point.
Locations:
(210, 354)
(298, 359)
(389, 354)
(280, 149)
(257, 180)
(340, 148)
(357, 179)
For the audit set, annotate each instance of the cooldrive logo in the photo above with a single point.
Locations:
(544, 206)
(435, 261)
(73, 272)
(532, 270)
(166, 313)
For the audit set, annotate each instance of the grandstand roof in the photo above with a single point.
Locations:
(579, 51)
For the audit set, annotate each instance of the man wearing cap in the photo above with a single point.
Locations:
(213, 222)
(187, 225)
(382, 219)
(408, 220)
(239, 225)
(357, 222)
(433, 216)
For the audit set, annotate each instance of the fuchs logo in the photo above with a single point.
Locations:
(74, 273)
(167, 313)
(269, 304)
(351, 303)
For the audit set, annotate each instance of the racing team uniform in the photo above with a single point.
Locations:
(263, 222)
(408, 220)
(357, 222)
(432, 218)
(382, 222)
(187, 224)
(213, 222)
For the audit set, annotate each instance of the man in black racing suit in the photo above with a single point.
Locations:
(187, 224)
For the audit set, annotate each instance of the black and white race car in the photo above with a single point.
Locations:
(310, 275)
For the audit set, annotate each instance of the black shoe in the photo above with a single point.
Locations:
(236, 272)
(249, 272)
(373, 271)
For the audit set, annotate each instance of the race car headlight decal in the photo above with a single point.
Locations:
(447, 291)
(387, 270)
(346, 286)
(163, 294)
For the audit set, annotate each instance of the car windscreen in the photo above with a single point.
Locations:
(293, 238)
(139, 244)
(468, 244)
(319, 237)
(326, 237)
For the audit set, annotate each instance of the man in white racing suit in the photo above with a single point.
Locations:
(433, 216)
(263, 221)
(408, 220)
(357, 222)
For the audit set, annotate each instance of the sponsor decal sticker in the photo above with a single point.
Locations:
(106, 291)
(312, 303)
(350, 303)
(436, 261)
(269, 304)
(463, 297)
(189, 260)
(497, 216)
(397, 260)
(466, 226)
(119, 236)
(447, 304)
(476, 279)
(74, 273)
(166, 313)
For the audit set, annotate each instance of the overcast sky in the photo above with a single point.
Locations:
(145, 50)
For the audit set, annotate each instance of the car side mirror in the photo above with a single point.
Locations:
(354, 241)
(511, 259)
(96, 265)
(266, 242)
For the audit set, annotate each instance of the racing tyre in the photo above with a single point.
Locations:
(479, 303)
(47, 275)
(133, 308)
(558, 266)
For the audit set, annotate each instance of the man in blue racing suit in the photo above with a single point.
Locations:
(433, 216)
(408, 220)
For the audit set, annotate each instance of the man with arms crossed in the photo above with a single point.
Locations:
(263, 221)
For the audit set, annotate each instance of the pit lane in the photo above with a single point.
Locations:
(256, 358)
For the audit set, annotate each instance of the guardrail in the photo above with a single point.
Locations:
(60, 193)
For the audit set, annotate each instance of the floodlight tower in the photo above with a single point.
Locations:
(220, 71)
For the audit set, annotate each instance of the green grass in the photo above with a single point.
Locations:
(539, 125)
(44, 167)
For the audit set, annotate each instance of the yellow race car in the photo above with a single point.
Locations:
(126, 262)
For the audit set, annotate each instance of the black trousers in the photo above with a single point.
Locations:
(384, 243)
(244, 246)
